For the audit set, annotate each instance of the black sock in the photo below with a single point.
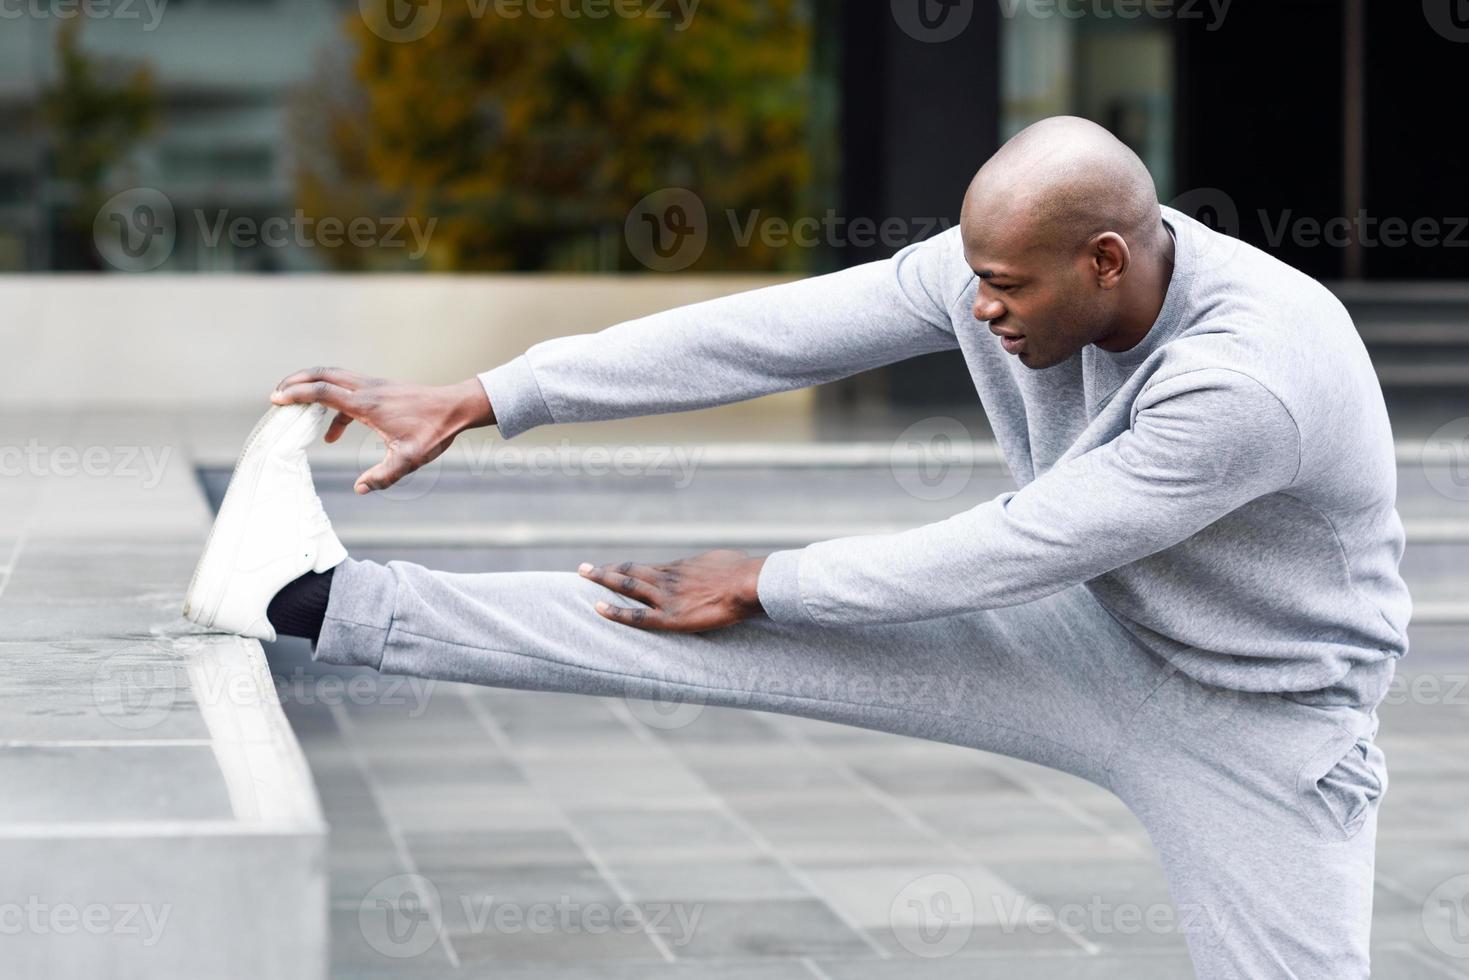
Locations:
(300, 607)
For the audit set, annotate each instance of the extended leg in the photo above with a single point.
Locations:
(1051, 681)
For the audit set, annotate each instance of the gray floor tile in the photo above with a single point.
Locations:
(488, 850)
(771, 928)
(736, 881)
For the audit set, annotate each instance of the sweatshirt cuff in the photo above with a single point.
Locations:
(779, 589)
(516, 397)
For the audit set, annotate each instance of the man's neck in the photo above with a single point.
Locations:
(1151, 292)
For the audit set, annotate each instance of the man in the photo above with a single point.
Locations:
(1192, 599)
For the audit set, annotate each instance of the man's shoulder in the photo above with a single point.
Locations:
(938, 263)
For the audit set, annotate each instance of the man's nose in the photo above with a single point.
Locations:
(988, 308)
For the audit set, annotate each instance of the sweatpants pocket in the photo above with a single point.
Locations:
(1340, 784)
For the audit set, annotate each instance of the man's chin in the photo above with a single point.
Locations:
(1039, 361)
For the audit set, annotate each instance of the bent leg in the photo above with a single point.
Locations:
(1264, 812)
(1051, 681)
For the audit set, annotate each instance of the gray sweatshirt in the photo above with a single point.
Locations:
(1226, 489)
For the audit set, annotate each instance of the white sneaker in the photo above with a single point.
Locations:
(270, 530)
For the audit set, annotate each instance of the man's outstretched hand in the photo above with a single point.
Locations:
(692, 595)
(415, 422)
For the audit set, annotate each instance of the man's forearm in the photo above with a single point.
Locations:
(739, 347)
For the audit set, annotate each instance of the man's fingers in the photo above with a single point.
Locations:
(338, 426)
(319, 392)
(629, 579)
(648, 573)
(340, 377)
(389, 471)
(639, 616)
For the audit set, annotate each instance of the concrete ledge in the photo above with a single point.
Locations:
(159, 819)
(224, 340)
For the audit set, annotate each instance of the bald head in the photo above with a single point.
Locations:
(1057, 184)
(1066, 239)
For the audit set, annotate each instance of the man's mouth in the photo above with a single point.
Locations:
(1013, 345)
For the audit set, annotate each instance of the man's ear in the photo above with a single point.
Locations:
(1110, 259)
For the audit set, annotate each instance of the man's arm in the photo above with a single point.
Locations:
(742, 346)
(712, 353)
(1201, 445)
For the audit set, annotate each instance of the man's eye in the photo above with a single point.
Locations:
(1000, 289)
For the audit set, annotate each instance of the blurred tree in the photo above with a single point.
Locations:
(530, 138)
(94, 114)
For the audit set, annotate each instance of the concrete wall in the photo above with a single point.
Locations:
(224, 341)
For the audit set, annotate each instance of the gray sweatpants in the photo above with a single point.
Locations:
(1263, 809)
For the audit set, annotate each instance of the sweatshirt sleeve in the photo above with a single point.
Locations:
(742, 346)
(1200, 445)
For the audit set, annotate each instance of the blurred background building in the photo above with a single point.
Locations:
(527, 143)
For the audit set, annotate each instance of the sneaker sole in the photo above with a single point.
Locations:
(200, 607)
